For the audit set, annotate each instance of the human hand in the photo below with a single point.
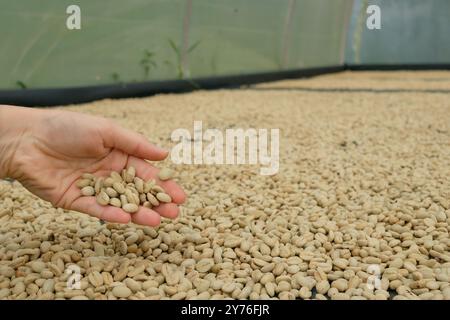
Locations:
(48, 150)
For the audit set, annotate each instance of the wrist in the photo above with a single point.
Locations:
(15, 125)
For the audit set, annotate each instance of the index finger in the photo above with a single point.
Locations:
(132, 143)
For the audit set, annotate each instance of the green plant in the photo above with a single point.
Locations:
(115, 77)
(177, 52)
(21, 84)
(147, 62)
(179, 63)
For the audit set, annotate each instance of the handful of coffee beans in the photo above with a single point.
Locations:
(125, 190)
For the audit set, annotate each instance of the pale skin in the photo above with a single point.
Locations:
(47, 150)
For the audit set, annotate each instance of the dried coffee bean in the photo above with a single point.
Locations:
(88, 191)
(130, 207)
(163, 197)
(165, 174)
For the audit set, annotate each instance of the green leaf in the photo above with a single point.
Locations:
(174, 48)
(21, 84)
(192, 47)
(115, 76)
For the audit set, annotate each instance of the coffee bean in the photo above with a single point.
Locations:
(163, 197)
(165, 174)
(88, 191)
(130, 207)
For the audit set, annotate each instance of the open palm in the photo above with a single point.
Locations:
(58, 149)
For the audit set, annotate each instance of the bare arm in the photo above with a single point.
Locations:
(48, 150)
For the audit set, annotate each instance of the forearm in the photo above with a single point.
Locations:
(14, 125)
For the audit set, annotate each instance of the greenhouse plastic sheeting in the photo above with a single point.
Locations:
(412, 32)
(141, 40)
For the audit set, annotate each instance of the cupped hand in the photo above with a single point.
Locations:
(57, 147)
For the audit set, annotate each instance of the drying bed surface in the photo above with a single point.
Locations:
(362, 194)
